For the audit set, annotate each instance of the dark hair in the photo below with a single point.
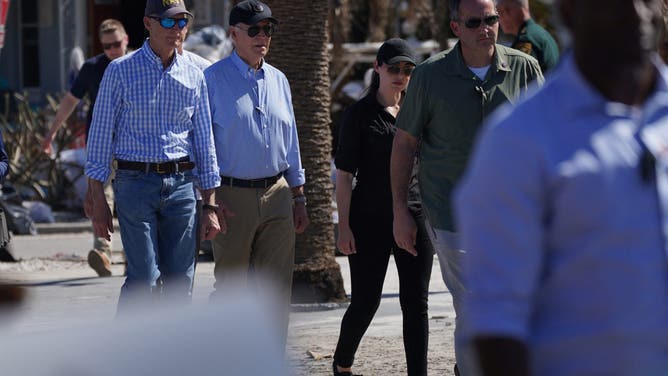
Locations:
(375, 82)
(373, 87)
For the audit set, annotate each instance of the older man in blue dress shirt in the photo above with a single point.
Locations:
(258, 156)
(564, 210)
(152, 116)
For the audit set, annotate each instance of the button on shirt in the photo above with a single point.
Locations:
(146, 113)
(566, 242)
(253, 121)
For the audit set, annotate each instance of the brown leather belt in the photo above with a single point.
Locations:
(160, 168)
(253, 183)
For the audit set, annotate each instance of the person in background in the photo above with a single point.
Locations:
(447, 100)
(365, 215)
(152, 118)
(530, 37)
(563, 211)
(114, 41)
(257, 149)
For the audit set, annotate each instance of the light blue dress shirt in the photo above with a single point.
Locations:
(566, 242)
(253, 121)
(146, 113)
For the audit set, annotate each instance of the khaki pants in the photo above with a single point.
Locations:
(259, 246)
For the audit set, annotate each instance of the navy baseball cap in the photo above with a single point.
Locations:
(250, 12)
(394, 51)
(165, 8)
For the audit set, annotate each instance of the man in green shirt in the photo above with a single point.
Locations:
(447, 100)
(530, 37)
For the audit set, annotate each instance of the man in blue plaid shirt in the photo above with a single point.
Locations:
(152, 120)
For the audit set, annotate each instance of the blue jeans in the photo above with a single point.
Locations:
(156, 214)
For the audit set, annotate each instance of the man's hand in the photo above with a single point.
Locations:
(65, 109)
(209, 226)
(100, 214)
(222, 213)
(300, 217)
(405, 230)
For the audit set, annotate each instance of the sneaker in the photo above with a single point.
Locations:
(99, 262)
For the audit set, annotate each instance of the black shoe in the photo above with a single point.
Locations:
(456, 370)
(336, 372)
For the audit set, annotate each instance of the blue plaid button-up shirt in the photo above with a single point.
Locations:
(147, 113)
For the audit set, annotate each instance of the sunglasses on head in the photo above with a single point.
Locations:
(169, 23)
(254, 30)
(395, 69)
(108, 46)
(474, 23)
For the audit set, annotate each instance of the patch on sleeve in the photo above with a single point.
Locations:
(525, 47)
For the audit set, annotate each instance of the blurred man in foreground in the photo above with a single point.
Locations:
(564, 209)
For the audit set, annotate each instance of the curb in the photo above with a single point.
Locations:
(67, 227)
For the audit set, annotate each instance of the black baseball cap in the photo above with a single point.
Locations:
(394, 51)
(250, 12)
(165, 8)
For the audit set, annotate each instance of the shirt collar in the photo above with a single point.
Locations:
(155, 59)
(245, 69)
(589, 97)
(457, 66)
(526, 23)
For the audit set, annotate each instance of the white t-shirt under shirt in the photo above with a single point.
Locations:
(481, 72)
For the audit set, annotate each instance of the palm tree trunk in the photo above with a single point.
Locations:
(299, 49)
(379, 18)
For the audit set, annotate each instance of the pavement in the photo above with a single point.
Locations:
(61, 289)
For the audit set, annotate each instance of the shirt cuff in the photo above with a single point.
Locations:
(295, 178)
(208, 181)
(97, 172)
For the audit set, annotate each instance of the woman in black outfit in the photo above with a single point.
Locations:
(365, 215)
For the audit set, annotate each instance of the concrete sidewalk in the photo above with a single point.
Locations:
(60, 296)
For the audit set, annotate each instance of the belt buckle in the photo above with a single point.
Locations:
(158, 168)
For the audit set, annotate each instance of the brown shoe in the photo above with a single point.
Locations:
(99, 262)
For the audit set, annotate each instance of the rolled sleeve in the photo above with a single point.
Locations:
(414, 114)
(99, 148)
(500, 213)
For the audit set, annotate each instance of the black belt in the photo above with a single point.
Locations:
(182, 164)
(253, 183)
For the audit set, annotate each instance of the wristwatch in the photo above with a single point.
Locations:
(301, 199)
(210, 207)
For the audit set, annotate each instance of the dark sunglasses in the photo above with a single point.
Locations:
(254, 30)
(108, 46)
(474, 23)
(169, 23)
(395, 69)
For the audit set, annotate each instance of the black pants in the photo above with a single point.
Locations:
(367, 273)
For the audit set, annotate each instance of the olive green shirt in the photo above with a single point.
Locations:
(537, 42)
(445, 105)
